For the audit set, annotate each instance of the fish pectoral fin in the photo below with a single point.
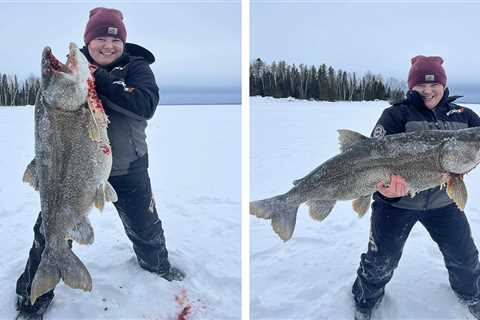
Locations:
(320, 209)
(348, 138)
(110, 194)
(100, 197)
(456, 190)
(30, 175)
(361, 205)
(104, 193)
(82, 232)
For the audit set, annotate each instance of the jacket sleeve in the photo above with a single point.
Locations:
(390, 122)
(131, 89)
(473, 118)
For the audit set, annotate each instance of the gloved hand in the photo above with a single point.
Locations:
(414, 98)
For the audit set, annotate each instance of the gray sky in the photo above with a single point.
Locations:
(376, 36)
(196, 43)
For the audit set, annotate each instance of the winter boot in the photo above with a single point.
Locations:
(362, 314)
(27, 311)
(475, 310)
(173, 274)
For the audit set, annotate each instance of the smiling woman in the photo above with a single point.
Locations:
(427, 106)
(394, 213)
(428, 78)
(105, 46)
(105, 50)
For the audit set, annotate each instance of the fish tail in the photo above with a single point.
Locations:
(51, 269)
(46, 277)
(282, 213)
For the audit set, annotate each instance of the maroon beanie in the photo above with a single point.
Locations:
(105, 22)
(426, 70)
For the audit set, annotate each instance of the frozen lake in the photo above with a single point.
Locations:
(195, 174)
(310, 276)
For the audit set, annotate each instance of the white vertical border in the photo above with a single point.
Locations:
(245, 111)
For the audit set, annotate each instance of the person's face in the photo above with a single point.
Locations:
(105, 50)
(431, 93)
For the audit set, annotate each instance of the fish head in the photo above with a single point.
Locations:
(64, 86)
(461, 153)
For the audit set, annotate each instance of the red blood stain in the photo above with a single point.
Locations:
(106, 150)
(184, 312)
(53, 61)
(185, 308)
(93, 97)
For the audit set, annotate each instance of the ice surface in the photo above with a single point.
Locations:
(195, 172)
(310, 276)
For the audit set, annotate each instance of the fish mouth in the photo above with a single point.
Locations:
(51, 65)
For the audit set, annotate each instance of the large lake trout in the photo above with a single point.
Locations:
(72, 164)
(425, 159)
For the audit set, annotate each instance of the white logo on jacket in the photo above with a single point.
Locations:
(379, 131)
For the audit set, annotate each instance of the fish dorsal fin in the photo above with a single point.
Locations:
(348, 138)
(295, 182)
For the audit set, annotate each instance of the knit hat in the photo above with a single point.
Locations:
(426, 70)
(105, 22)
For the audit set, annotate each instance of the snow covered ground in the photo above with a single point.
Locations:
(195, 173)
(310, 276)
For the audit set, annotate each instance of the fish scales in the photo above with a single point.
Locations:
(425, 159)
(70, 170)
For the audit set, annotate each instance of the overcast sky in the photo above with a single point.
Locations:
(196, 43)
(376, 36)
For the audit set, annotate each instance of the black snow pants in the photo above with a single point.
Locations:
(389, 229)
(137, 210)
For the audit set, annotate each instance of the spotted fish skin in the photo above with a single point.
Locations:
(425, 159)
(70, 169)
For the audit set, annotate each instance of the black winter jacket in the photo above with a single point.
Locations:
(129, 94)
(410, 115)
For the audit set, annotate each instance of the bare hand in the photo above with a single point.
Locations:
(396, 188)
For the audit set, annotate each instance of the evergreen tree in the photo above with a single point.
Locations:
(314, 92)
(331, 89)
(323, 82)
(302, 82)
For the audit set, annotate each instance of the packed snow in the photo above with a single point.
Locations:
(310, 276)
(195, 173)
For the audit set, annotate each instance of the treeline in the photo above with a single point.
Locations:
(281, 80)
(18, 93)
